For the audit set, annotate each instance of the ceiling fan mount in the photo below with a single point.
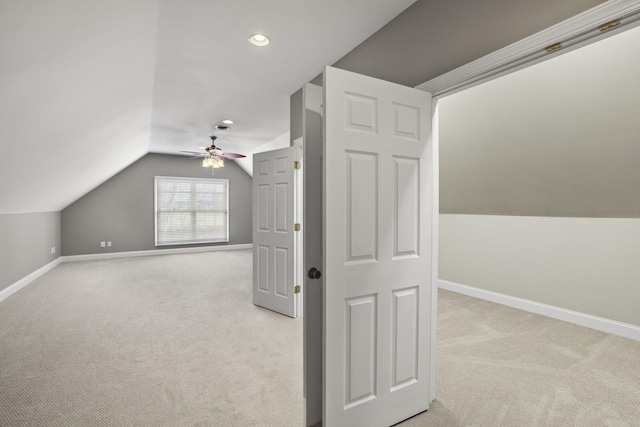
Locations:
(213, 150)
(213, 156)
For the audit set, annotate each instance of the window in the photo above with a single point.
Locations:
(191, 210)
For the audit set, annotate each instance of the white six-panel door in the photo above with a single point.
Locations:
(274, 243)
(377, 251)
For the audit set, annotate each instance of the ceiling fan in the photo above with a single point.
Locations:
(213, 156)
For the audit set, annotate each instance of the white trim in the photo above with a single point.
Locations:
(298, 270)
(15, 287)
(130, 254)
(573, 32)
(588, 321)
(435, 238)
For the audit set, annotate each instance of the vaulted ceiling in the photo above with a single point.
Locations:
(87, 88)
(76, 85)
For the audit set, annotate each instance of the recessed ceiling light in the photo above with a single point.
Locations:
(227, 122)
(259, 40)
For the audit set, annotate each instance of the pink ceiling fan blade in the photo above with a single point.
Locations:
(232, 156)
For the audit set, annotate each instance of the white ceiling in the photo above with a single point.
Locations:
(87, 88)
(76, 85)
(206, 70)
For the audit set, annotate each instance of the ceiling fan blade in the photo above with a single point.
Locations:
(192, 152)
(233, 156)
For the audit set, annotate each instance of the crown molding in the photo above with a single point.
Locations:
(571, 33)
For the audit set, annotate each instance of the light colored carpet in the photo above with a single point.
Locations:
(156, 341)
(176, 341)
(498, 366)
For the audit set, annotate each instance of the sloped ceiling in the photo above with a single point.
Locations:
(206, 70)
(76, 86)
(435, 36)
(88, 87)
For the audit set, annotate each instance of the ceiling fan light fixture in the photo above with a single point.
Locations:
(214, 156)
(259, 40)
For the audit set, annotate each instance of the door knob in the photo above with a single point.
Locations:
(314, 273)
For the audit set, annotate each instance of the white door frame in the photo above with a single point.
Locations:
(298, 213)
(573, 33)
(433, 159)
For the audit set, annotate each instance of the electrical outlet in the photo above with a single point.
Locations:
(108, 244)
(53, 250)
(102, 244)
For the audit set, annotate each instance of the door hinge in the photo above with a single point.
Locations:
(296, 165)
(608, 25)
(296, 289)
(553, 47)
(296, 226)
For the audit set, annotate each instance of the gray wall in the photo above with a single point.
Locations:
(295, 116)
(122, 209)
(432, 37)
(547, 140)
(25, 244)
(539, 182)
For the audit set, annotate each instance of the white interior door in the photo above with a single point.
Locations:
(377, 251)
(274, 240)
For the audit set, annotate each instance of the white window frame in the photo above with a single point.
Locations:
(191, 180)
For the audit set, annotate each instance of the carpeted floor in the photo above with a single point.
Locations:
(176, 341)
(498, 366)
(169, 340)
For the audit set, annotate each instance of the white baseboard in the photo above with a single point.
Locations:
(112, 255)
(588, 321)
(15, 287)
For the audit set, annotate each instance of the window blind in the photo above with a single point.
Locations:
(191, 210)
